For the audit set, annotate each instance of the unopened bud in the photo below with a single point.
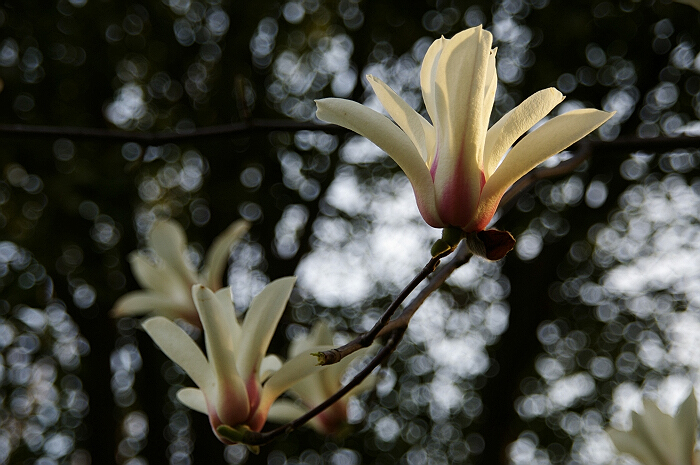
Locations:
(449, 241)
(490, 244)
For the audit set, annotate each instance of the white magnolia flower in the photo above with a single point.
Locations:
(168, 282)
(460, 169)
(316, 388)
(660, 439)
(236, 383)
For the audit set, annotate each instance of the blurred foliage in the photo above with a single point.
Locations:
(521, 361)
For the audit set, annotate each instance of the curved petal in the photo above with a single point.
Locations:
(217, 256)
(159, 278)
(489, 98)
(687, 417)
(550, 138)
(168, 240)
(461, 83)
(388, 137)
(664, 434)
(515, 123)
(141, 302)
(414, 125)
(181, 349)
(427, 79)
(291, 372)
(260, 323)
(194, 399)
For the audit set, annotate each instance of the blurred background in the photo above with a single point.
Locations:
(523, 361)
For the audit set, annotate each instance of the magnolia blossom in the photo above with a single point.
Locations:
(168, 281)
(236, 383)
(660, 439)
(316, 388)
(460, 169)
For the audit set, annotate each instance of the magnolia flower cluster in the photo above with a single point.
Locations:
(660, 439)
(458, 167)
(237, 383)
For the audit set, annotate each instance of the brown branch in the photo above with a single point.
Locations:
(462, 256)
(329, 357)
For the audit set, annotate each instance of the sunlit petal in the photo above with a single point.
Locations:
(226, 303)
(428, 71)
(515, 123)
(414, 125)
(216, 327)
(550, 138)
(269, 365)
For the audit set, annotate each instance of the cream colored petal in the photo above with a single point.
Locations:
(269, 365)
(159, 278)
(414, 125)
(284, 410)
(549, 139)
(664, 434)
(260, 323)
(194, 399)
(142, 302)
(489, 98)
(181, 349)
(226, 303)
(217, 256)
(515, 123)
(632, 444)
(291, 372)
(428, 71)
(219, 342)
(168, 240)
(460, 86)
(388, 137)
(687, 420)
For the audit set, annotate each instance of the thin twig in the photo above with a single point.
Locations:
(329, 357)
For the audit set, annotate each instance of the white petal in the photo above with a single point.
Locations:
(631, 444)
(515, 123)
(217, 256)
(260, 323)
(226, 303)
(388, 137)
(181, 349)
(159, 278)
(489, 98)
(549, 139)
(168, 240)
(141, 302)
(460, 86)
(428, 71)
(414, 125)
(291, 372)
(217, 334)
(687, 420)
(665, 434)
(194, 399)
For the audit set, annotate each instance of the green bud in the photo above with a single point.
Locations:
(451, 237)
